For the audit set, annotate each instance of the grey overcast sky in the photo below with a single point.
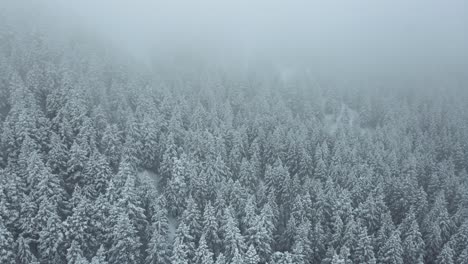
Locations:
(344, 32)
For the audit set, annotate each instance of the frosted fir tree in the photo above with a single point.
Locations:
(221, 259)
(180, 252)
(251, 256)
(203, 254)
(337, 259)
(183, 247)
(150, 138)
(125, 242)
(413, 243)
(463, 258)
(392, 251)
(237, 258)
(97, 174)
(6, 245)
(285, 258)
(337, 229)
(345, 255)
(260, 237)
(331, 252)
(100, 257)
(58, 154)
(76, 164)
(232, 239)
(363, 250)
(192, 218)
(77, 225)
(211, 228)
(159, 247)
(177, 187)
(446, 255)
(51, 235)
(111, 143)
(247, 174)
(75, 254)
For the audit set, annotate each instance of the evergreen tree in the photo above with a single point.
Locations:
(249, 214)
(6, 245)
(210, 228)
(392, 252)
(100, 161)
(58, 154)
(177, 187)
(259, 235)
(232, 239)
(181, 250)
(111, 145)
(306, 164)
(251, 256)
(274, 177)
(284, 258)
(51, 237)
(221, 259)
(413, 243)
(192, 218)
(168, 157)
(321, 157)
(76, 164)
(383, 234)
(302, 248)
(128, 198)
(446, 255)
(436, 226)
(125, 242)
(247, 175)
(372, 210)
(463, 257)
(74, 254)
(100, 257)
(150, 142)
(78, 226)
(10, 203)
(203, 255)
(337, 259)
(345, 255)
(23, 251)
(159, 248)
(459, 241)
(97, 174)
(363, 250)
(237, 258)
(329, 256)
(317, 242)
(184, 245)
(337, 229)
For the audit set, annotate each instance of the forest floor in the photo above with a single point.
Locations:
(333, 120)
(154, 179)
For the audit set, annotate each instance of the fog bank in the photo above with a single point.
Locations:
(349, 36)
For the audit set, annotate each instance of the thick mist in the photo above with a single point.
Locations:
(349, 36)
(233, 132)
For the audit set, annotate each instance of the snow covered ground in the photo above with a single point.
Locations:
(346, 116)
(154, 179)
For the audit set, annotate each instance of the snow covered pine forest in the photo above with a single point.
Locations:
(105, 162)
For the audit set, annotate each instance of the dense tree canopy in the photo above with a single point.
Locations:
(108, 162)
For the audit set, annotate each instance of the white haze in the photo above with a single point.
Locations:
(349, 36)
